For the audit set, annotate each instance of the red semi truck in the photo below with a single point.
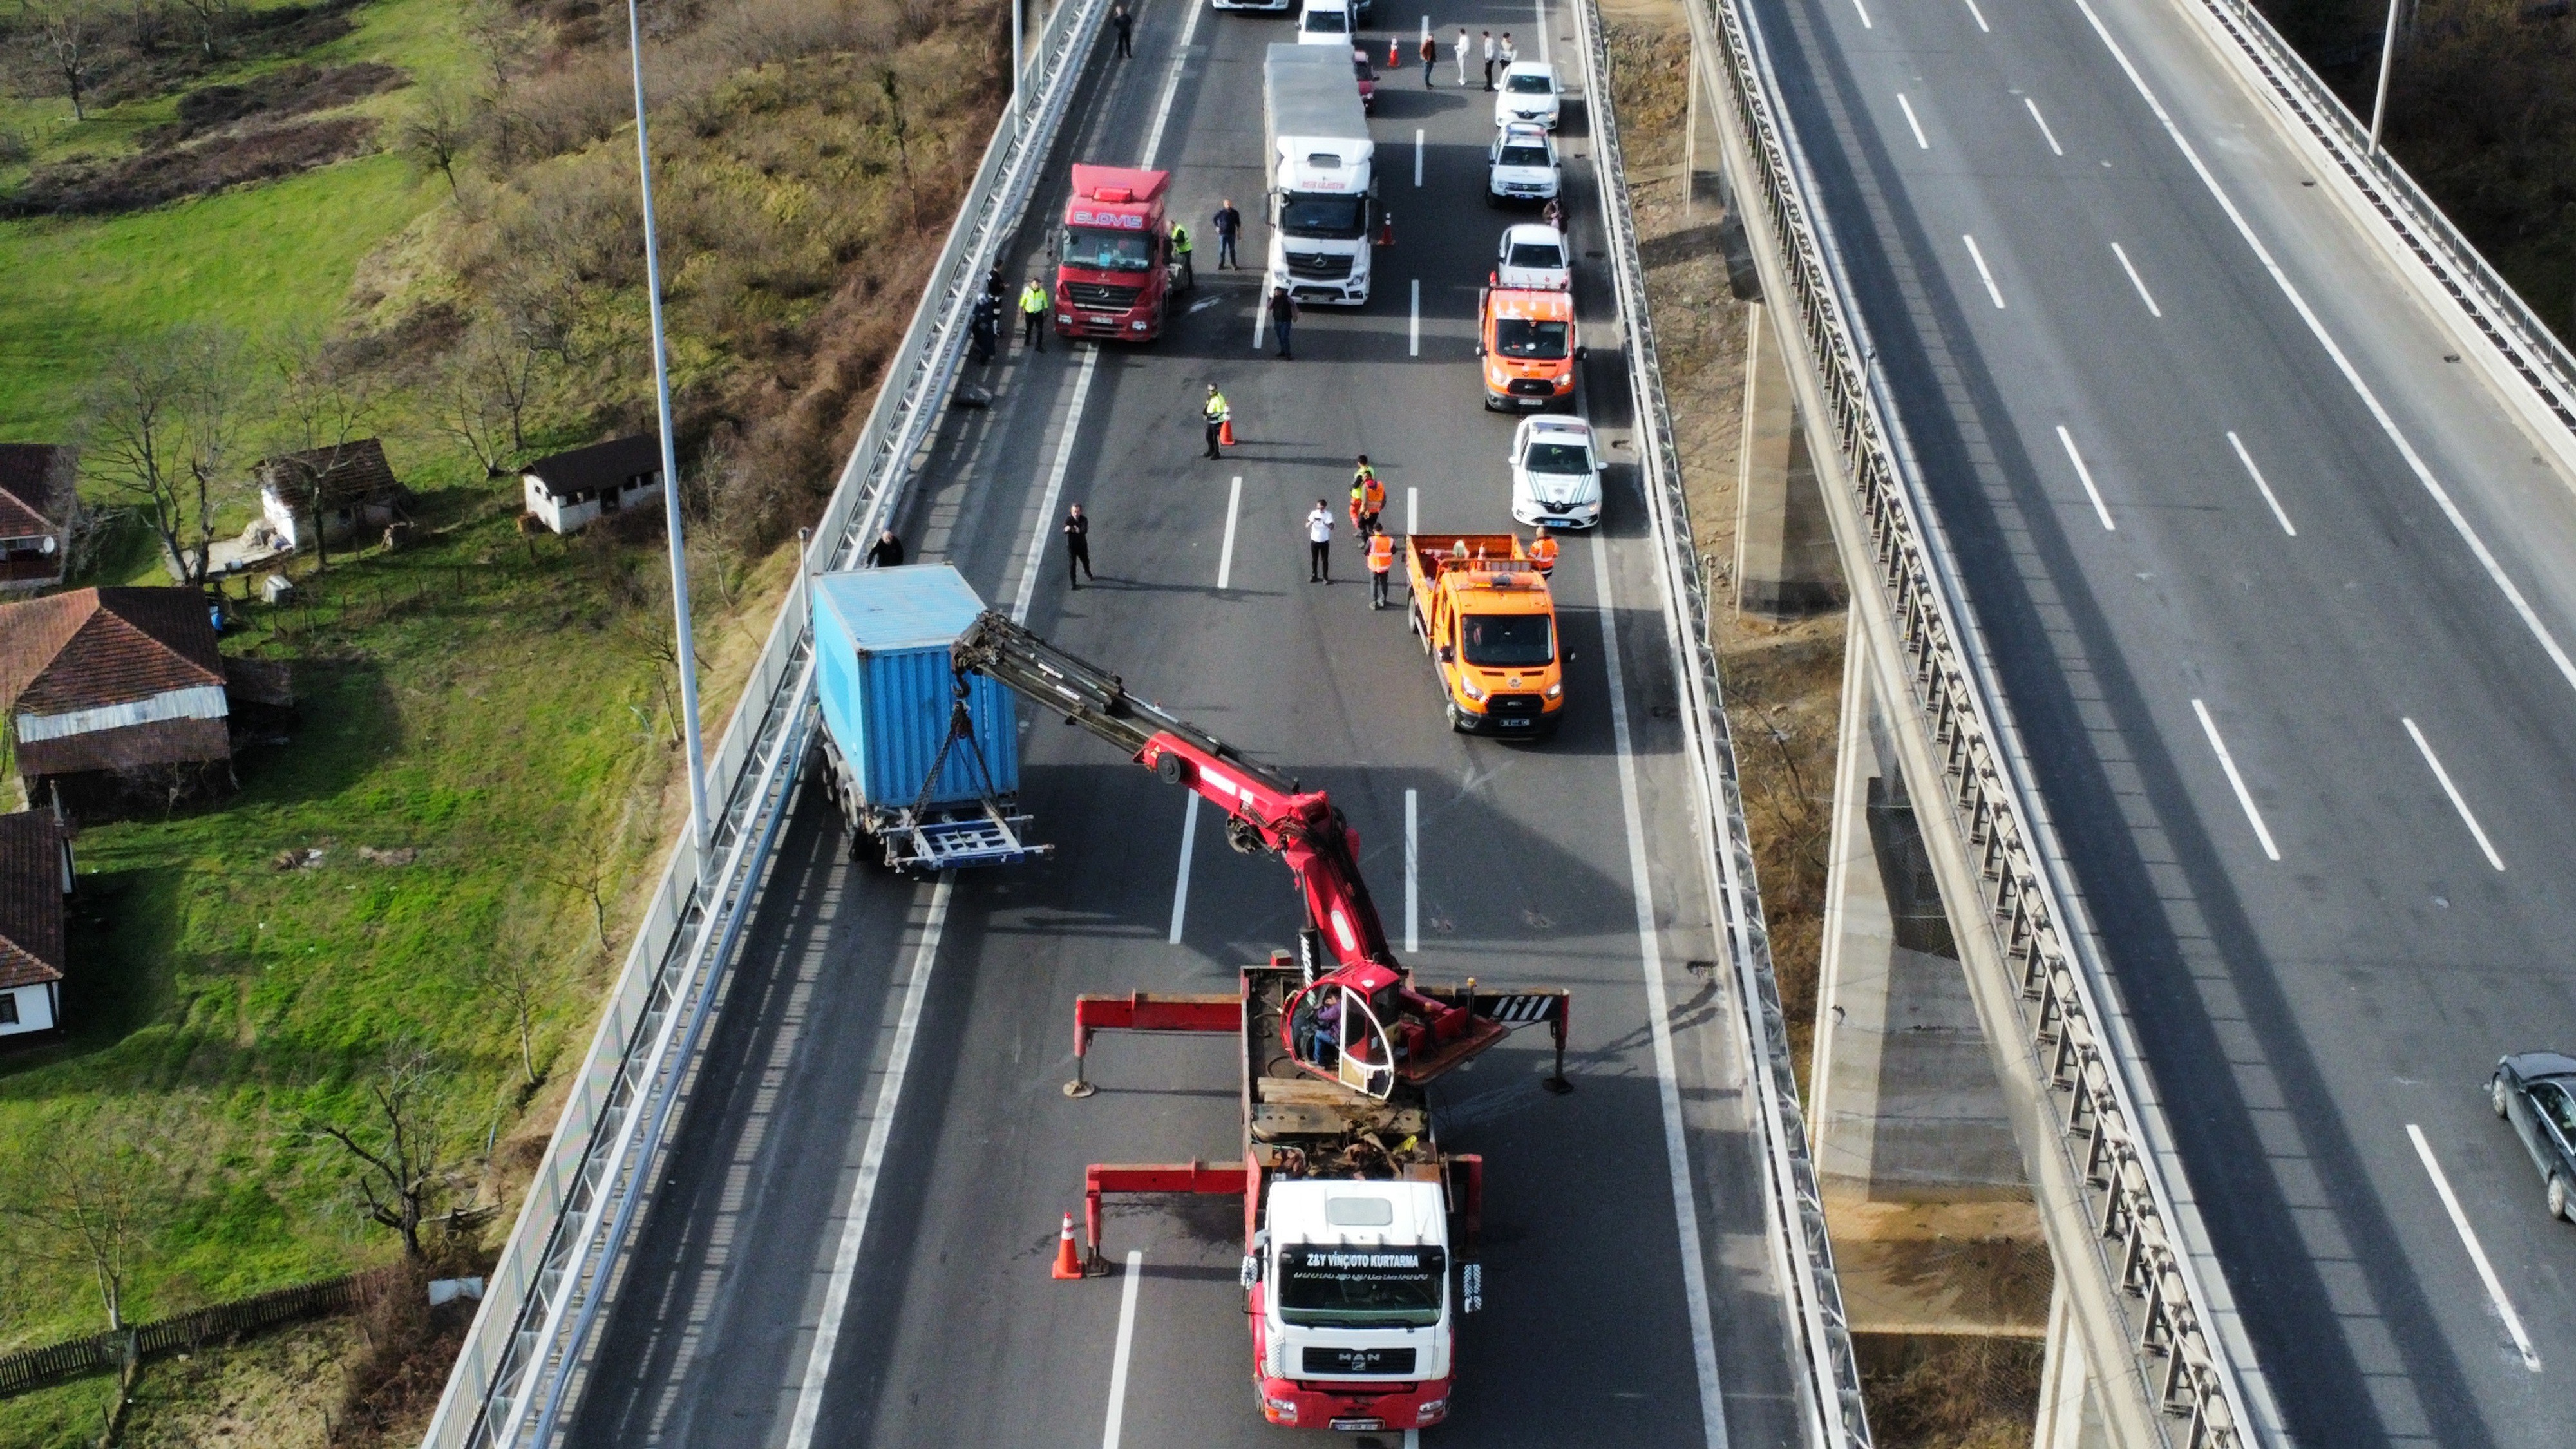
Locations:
(1359, 1228)
(1113, 261)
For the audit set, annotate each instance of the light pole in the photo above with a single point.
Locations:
(1016, 54)
(2387, 58)
(686, 652)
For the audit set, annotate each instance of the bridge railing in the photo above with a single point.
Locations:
(522, 1356)
(1803, 1257)
(2179, 1359)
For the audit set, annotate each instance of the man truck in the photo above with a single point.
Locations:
(1482, 609)
(1113, 260)
(1321, 167)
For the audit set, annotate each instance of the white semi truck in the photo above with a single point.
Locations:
(1322, 175)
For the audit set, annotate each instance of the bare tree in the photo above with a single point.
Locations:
(162, 423)
(212, 17)
(322, 403)
(510, 978)
(404, 1160)
(90, 1194)
(68, 45)
(437, 132)
(898, 128)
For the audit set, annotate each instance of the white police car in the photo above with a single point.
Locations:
(1528, 92)
(1521, 166)
(1556, 475)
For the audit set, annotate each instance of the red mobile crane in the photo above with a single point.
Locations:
(1359, 1231)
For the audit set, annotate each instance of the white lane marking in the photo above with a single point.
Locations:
(2085, 475)
(1055, 485)
(1864, 15)
(1426, 27)
(2248, 460)
(1981, 17)
(1540, 7)
(2316, 326)
(1412, 514)
(2236, 781)
(1413, 328)
(1126, 1345)
(1712, 1398)
(1171, 88)
(1908, 107)
(854, 1218)
(2425, 747)
(2136, 281)
(2477, 1253)
(2043, 125)
(1412, 872)
(1181, 883)
(1233, 510)
(1417, 156)
(1987, 277)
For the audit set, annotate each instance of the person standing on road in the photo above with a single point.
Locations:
(1283, 313)
(1077, 546)
(886, 552)
(1460, 56)
(1033, 305)
(1228, 221)
(1508, 51)
(1489, 60)
(1126, 27)
(1381, 562)
(1319, 545)
(1216, 412)
(1368, 500)
(1430, 58)
(984, 327)
(1181, 254)
(1542, 551)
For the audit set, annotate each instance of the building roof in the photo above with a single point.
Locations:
(94, 647)
(599, 466)
(31, 899)
(36, 487)
(354, 472)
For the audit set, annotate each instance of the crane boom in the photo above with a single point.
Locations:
(1264, 810)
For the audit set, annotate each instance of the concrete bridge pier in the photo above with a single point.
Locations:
(1785, 563)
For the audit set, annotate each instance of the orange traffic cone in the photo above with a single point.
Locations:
(1068, 1262)
(1225, 433)
(1394, 53)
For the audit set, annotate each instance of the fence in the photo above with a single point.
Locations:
(2178, 1361)
(36, 1368)
(1802, 1257)
(523, 1353)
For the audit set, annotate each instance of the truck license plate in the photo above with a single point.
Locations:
(1513, 724)
(1353, 1426)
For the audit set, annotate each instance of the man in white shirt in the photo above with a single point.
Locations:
(1489, 60)
(1508, 51)
(1462, 55)
(1319, 545)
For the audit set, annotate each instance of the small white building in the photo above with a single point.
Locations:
(569, 491)
(35, 876)
(348, 490)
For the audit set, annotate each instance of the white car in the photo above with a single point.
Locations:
(1528, 93)
(1556, 474)
(1534, 254)
(1325, 22)
(1521, 166)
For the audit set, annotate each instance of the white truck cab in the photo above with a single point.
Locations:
(1352, 1290)
(1322, 175)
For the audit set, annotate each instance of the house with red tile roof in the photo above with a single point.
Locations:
(38, 503)
(35, 876)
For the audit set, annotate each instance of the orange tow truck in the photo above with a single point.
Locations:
(1482, 610)
(1526, 337)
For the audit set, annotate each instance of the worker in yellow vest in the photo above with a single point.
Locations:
(1542, 551)
(1181, 254)
(1216, 413)
(1368, 500)
(1033, 310)
(1381, 561)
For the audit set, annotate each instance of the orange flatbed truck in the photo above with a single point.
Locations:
(1484, 614)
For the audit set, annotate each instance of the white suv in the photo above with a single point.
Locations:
(1528, 93)
(1556, 475)
(1534, 255)
(1325, 22)
(1521, 166)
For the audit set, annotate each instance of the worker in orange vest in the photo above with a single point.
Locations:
(1542, 551)
(1368, 499)
(1381, 561)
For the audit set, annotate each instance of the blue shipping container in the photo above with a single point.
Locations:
(881, 640)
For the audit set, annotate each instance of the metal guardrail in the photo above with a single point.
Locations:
(2526, 343)
(1818, 1324)
(523, 1353)
(2177, 1353)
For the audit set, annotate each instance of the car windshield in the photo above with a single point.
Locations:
(1518, 337)
(1559, 458)
(1522, 156)
(1324, 216)
(1507, 641)
(1108, 251)
(1327, 22)
(1361, 1287)
(1530, 85)
(1536, 254)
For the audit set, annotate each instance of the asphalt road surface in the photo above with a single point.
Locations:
(2298, 706)
(850, 1236)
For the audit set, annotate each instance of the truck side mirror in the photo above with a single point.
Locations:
(1448, 653)
(1581, 353)
(1471, 1288)
(1251, 1272)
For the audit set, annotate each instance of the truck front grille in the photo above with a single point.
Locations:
(1376, 1363)
(1532, 387)
(1514, 706)
(1102, 296)
(1319, 266)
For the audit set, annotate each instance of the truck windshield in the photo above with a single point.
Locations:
(1520, 337)
(1108, 251)
(1324, 216)
(1331, 1286)
(1507, 641)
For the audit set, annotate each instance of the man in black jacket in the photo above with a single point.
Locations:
(886, 552)
(1077, 546)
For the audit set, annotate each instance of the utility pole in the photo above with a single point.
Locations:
(1019, 54)
(2387, 60)
(686, 653)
